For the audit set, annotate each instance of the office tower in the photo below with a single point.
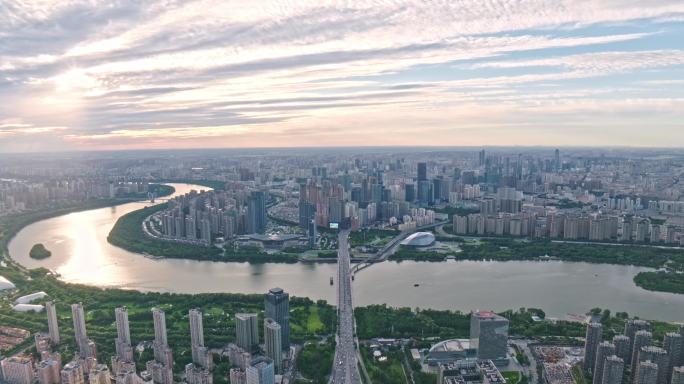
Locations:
(641, 339)
(277, 303)
(677, 375)
(604, 350)
(272, 339)
(124, 350)
(307, 212)
(646, 373)
(200, 354)
(99, 374)
(424, 189)
(622, 345)
(674, 346)
(489, 336)
(260, 371)
(410, 193)
(422, 171)
(481, 158)
(659, 357)
(613, 370)
(53, 326)
(256, 212)
(17, 370)
(247, 333)
(73, 373)
(237, 376)
(48, 371)
(311, 234)
(86, 347)
(631, 328)
(556, 160)
(162, 352)
(591, 343)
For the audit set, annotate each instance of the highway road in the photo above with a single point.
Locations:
(345, 366)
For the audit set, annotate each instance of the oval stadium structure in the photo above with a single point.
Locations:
(419, 239)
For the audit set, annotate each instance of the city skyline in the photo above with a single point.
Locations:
(77, 76)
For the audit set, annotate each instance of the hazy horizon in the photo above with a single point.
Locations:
(91, 76)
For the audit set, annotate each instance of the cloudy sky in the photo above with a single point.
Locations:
(83, 75)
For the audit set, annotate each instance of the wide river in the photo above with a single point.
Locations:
(81, 254)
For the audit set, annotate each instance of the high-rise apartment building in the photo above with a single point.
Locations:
(673, 344)
(162, 353)
(17, 370)
(73, 373)
(200, 354)
(659, 357)
(622, 346)
(53, 326)
(641, 339)
(237, 376)
(604, 350)
(591, 343)
(124, 350)
(99, 374)
(277, 307)
(631, 328)
(646, 373)
(247, 331)
(48, 371)
(272, 343)
(613, 370)
(86, 347)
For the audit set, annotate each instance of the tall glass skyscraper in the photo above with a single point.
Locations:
(277, 303)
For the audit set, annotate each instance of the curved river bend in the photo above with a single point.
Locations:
(81, 254)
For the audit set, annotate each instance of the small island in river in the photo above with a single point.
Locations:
(38, 251)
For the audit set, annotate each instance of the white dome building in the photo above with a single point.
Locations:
(419, 239)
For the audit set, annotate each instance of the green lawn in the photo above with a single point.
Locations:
(384, 372)
(512, 377)
(314, 323)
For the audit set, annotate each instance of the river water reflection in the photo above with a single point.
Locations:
(81, 254)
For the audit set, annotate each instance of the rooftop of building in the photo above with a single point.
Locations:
(419, 239)
(452, 345)
(487, 315)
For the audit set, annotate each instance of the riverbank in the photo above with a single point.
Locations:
(516, 250)
(11, 225)
(128, 234)
(308, 319)
(661, 281)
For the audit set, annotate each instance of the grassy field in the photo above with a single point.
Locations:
(511, 377)
(390, 371)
